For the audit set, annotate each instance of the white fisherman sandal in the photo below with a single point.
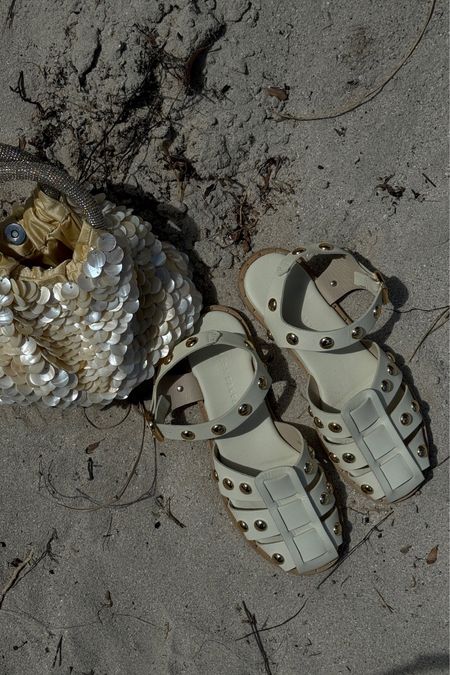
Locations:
(363, 410)
(274, 487)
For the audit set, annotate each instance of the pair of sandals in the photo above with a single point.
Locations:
(364, 413)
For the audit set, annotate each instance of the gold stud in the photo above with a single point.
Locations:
(422, 451)
(272, 304)
(180, 388)
(278, 558)
(357, 333)
(386, 385)
(310, 412)
(297, 251)
(415, 406)
(308, 467)
(390, 356)
(333, 282)
(243, 525)
(260, 525)
(187, 435)
(245, 488)
(326, 343)
(377, 311)
(262, 383)
(348, 457)
(324, 498)
(318, 422)
(248, 344)
(245, 409)
(392, 369)
(367, 489)
(218, 429)
(334, 458)
(337, 529)
(292, 338)
(406, 419)
(167, 359)
(228, 484)
(325, 246)
(190, 342)
(215, 475)
(335, 427)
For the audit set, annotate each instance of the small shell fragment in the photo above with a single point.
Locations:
(70, 290)
(6, 300)
(282, 94)
(90, 271)
(86, 283)
(96, 259)
(5, 285)
(106, 242)
(115, 256)
(6, 317)
(44, 296)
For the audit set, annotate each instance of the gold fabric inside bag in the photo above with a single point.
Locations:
(52, 232)
(57, 243)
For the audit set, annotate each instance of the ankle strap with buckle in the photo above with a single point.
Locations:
(343, 275)
(170, 393)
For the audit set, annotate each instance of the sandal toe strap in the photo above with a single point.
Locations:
(307, 544)
(386, 452)
(288, 524)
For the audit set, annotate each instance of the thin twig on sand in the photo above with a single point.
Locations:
(15, 576)
(58, 654)
(299, 117)
(251, 618)
(437, 323)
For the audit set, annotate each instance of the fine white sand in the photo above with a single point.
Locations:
(200, 149)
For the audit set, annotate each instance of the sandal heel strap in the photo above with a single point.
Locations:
(344, 275)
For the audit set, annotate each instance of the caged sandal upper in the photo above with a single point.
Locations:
(275, 489)
(360, 404)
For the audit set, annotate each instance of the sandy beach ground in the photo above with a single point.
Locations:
(231, 125)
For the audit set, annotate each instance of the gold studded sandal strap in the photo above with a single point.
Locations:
(350, 274)
(240, 411)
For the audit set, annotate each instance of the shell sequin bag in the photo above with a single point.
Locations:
(90, 299)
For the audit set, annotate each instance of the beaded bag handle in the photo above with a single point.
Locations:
(16, 164)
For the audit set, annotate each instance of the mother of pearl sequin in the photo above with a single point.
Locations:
(93, 338)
